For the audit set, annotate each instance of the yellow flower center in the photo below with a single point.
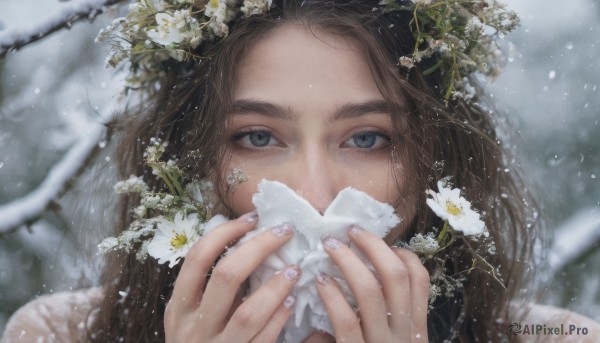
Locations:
(452, 208)
(214, 3)
(179, 240)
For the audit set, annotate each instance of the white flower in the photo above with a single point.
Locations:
(173, 239)
(450, 206)
(220, 14)
(216, 10)
(181, 27)
(251, 7)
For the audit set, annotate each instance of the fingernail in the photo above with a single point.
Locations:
(355, 230)
(331, 242)
(283, 229)
(292, 273)
(289, 301)
(323, 279)
(249, 217)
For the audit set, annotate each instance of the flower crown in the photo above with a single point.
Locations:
(460, 33)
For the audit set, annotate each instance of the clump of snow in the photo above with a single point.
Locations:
(278, 204)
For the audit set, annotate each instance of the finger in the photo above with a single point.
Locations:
(234, 268)
(394, 276)
(200, 259)
(319, 337)
(253, 314)
(419, 290)
(364, 286)
(346, 324)
(272, 329)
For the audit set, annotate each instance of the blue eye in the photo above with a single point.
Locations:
(259, 138)
(367, 140)
(254, 139)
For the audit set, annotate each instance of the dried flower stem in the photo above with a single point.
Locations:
(489, 269)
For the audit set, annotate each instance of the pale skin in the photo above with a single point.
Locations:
(323, 140)
(309, 114)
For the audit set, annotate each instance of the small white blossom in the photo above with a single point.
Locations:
(216, 10)
(251, 7)
(171, 30)
(128, 238)
(167, 200)
(407, 62)
(151, 201)
(450, 206)
(155, 149)
(434, 292)
(173, 239)
(423, 244)
(220, 14)
(236, 177)
(468, 91)
(474, 26)
(135, 234)
(219, 28)
(133, 184)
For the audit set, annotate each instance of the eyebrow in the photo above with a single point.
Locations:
(356, 110)
(346, 111)
(268, 109)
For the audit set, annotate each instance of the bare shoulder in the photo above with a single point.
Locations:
(59, 317)
(544, 323)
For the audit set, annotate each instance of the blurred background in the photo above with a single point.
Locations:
(56, 93)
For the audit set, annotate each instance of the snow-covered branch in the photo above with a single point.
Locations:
(17, 37)
(29, 207)
(574, 238)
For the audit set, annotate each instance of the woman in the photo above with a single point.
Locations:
(310, 94)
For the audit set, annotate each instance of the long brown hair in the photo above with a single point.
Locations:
(456, 139)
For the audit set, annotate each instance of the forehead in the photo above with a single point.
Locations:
(299, 63)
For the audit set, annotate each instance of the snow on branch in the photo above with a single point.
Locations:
(29, 207)
(574, 238)
(16, 37)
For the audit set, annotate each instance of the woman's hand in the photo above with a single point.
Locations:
(391, 309)
(201, 311)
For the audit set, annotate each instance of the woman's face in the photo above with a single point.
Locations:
(308, 113)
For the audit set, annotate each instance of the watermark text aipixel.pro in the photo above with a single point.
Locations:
(543, 329)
